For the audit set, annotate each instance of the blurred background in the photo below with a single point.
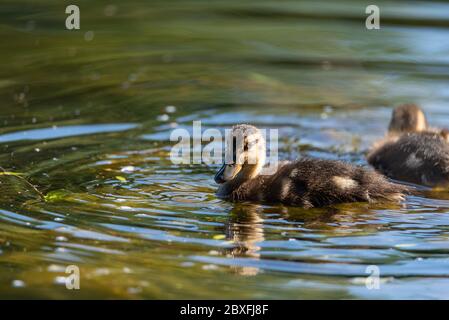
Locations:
(85, 120)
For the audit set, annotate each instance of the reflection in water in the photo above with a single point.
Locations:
(245, 229)
(88, 123)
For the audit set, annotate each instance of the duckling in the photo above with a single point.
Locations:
(306, 183)
(407, 118)
(412, 151)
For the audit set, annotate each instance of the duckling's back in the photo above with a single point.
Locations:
(421, 158)
(316, 183)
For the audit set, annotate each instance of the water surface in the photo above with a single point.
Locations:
(86, 116)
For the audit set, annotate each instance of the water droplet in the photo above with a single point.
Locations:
(328, 109)
(102, 272)
(128, 169)
(170, 109)
(18, 284)
(60, 280)
(163, 117)
(133, 290)
(55, 268)
(210, 267)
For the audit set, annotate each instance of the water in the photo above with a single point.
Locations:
(84, 120)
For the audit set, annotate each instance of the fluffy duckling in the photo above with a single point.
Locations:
(407, 118)
(412, 151)
(307, 183)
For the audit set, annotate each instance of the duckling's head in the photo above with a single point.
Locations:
(445, 134)
(245, 154)
(407, 118)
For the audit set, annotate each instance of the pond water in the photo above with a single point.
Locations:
(86, 115)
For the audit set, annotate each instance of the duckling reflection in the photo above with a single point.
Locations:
(340, 219)
(413, 151)
(305, 183)
(245, 229)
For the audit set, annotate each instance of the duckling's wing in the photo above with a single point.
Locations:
(418, 158)
(317, 183)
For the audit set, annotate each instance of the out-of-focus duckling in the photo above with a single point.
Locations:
(412, 151)
(407, 118)
(307, 183)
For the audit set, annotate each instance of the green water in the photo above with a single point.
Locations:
(83, 118)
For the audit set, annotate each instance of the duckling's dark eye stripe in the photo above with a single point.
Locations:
(234, 149)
